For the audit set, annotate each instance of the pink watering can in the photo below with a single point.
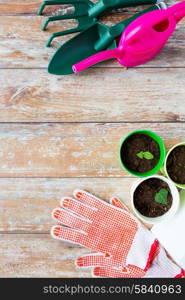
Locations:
(142, 40)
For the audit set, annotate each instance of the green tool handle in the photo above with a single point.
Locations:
(117, 29)
(104, 5)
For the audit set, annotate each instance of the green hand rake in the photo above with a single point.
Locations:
(86, 13)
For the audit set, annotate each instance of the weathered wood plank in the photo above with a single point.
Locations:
(26, 7)
(18, 7)
(141, 95)
(22, 43)
(35, 255)
(70, 150)
(26, 203)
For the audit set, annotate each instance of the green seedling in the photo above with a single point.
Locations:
(146, 155)
(161, 197)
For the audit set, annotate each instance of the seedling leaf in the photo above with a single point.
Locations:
(161, 197)
(146, 155)
(140, 154)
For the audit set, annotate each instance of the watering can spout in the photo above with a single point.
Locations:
(178, 10)
(94, 59)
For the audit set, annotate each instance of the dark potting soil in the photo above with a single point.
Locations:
(134, 144)
(176, 164)
(144, 198)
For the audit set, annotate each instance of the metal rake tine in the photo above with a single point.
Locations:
(61, 33)
(55, 2)
(56, 18)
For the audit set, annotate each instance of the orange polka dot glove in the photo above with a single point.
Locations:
(160, 264)
(107, 229)
(161, 267)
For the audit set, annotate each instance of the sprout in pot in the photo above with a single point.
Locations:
(175, 164)
(140, 153)
(152, 197)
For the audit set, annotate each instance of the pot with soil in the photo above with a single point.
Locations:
(154, 199)
(174, 166)
(142, 153)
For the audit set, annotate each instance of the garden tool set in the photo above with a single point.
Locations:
(142, 39)
(139, 38)
(96, 38)
(124, 247)
(86, 13)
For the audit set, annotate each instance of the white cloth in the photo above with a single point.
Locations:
(171, 234)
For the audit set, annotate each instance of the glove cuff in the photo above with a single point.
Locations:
(152, 254)
(181, 274)
(143, 249)
(163, 267)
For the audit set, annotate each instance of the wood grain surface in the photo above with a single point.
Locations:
(103, 95)
(58, 133)
(26, 203)
(71, 150)
(37, 255)
(23, 43)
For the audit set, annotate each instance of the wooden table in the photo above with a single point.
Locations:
(60, 133)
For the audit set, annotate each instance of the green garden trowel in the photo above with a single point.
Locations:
(96, 38)
(85, 12)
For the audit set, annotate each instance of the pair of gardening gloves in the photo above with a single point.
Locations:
(124, 247)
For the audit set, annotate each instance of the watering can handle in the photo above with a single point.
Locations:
(94, 59)
(117, 29)
(103, 5)
(177, 10)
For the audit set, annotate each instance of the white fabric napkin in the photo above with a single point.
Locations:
(171, 234)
